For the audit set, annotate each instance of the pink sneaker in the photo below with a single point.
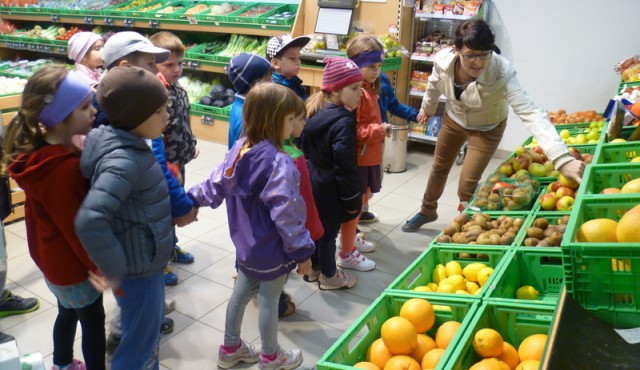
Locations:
(75, 365)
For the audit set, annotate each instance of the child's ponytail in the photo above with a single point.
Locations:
(316, 102)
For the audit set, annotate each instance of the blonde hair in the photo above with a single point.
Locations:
(317, 101)
(169, 41)
(24, 133)
(265, 107)
(363, 43)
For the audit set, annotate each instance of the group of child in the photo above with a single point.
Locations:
(107, 205)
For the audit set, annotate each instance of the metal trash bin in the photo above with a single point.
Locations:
(395, 149)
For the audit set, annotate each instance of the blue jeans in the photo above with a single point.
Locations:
(141, 303)
(268, 294)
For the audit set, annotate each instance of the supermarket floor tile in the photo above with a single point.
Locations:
(206, 285)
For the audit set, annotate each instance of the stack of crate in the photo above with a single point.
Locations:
(9, 104)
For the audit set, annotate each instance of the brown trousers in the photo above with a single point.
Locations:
(482, 145)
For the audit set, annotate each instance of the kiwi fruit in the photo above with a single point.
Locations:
(531, 242)
(541, 223)
(444, 238)
(535, 232)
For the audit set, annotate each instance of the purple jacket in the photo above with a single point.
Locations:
(266, 212)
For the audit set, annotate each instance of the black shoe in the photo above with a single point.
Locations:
(4, 338)
(367, 217)
(15, 305)
(167, 326)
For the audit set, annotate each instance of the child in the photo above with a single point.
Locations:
(179, 142)
(85, 49)
(42, 160)
(259, 182)
(284, 54)
(244, 70)
(368, 54)
(125, 219)
(329, 143)
(132, 49)
(387, 102)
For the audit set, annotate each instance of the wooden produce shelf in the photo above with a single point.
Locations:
(209, 128)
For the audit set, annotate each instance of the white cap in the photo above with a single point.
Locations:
(127, 42)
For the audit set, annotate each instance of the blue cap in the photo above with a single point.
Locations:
(245, 70)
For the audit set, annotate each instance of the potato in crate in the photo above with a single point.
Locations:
(451, 271)
(529, 276)
(601, 258)
(402, 329)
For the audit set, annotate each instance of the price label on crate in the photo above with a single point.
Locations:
(193, 65)
(216, 23)
(128, 22)
(88, 20)
(55, 18)
(154, 25)
(192, 20)
(48, 49)
(32, 46)
(206, 120)
(62, 50)
(108, 21)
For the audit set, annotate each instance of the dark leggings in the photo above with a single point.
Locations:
(93, 335)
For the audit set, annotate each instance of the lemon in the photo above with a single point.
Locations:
(618, 140)
(433, 286)
(457, 281)
(527, 292)
(439, 273)
(632, 186)
(441, 308)
(471, 270)
(636, 159)
(422, 288)
(453, 268)
(471, 287)
(460, 291)
(484, 274)
(446, 287)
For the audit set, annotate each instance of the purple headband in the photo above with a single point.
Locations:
(72, 91)
(368, 58)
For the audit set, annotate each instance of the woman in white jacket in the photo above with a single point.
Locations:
(479, 85)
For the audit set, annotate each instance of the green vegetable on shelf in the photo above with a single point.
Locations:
(245, 44)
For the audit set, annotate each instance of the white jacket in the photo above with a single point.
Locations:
(484, 103)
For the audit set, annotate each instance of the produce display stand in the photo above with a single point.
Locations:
(8, 105)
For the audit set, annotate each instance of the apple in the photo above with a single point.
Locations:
(575, 153)
(565, 203)
(549, 166)
(554, 186)
(548, 201)
(514, 164)
(537, 157)
(521, 175)
(587, 158)
(506, 169)
(520, 150)
(567, 182)
(537, 170)
(581, 139)
(538, 149)
(524, 161)
(564, 134)
(564, 191)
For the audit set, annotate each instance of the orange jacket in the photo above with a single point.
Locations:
(369, 132)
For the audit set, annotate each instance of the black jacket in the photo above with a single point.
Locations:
(329, 143)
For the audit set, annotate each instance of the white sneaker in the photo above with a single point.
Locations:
(356, 261)
(364, 246)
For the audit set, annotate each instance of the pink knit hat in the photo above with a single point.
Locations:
(338, 73)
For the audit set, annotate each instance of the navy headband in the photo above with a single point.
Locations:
(72, 91)
(368, 58)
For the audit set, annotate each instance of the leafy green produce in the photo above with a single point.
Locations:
(245, 44)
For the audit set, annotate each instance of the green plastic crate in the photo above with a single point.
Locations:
(206, 16)
(603, 277)
(541, 269)
(178, 14)
(617, 153)
(391, 64)
(624, 134)
(352, 346)
(514, 322)
(553, 217)
(214, 111)
(420, 272)
(116, 10)
(197, 52)
(600, 177)
(274, 19)
(494, 216)
(237, 16)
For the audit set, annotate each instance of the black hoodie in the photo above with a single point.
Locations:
(329, 143)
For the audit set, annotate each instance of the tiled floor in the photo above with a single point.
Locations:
(205, 286)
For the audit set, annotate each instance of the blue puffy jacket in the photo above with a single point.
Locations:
(389, 102)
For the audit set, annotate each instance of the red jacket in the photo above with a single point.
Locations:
(369, 132)
(313, 224)
(54, 189)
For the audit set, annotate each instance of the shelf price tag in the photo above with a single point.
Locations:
(88, 20)
(206, 120)
(108, 21)
(128, 22)
(192, 20)
(193, 65)
(154, 24)
(55, 18)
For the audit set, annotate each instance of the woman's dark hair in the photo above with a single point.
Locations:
(475, 34)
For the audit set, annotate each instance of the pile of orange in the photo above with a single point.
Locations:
(604, 230)
(403, 344)
(497, 354)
